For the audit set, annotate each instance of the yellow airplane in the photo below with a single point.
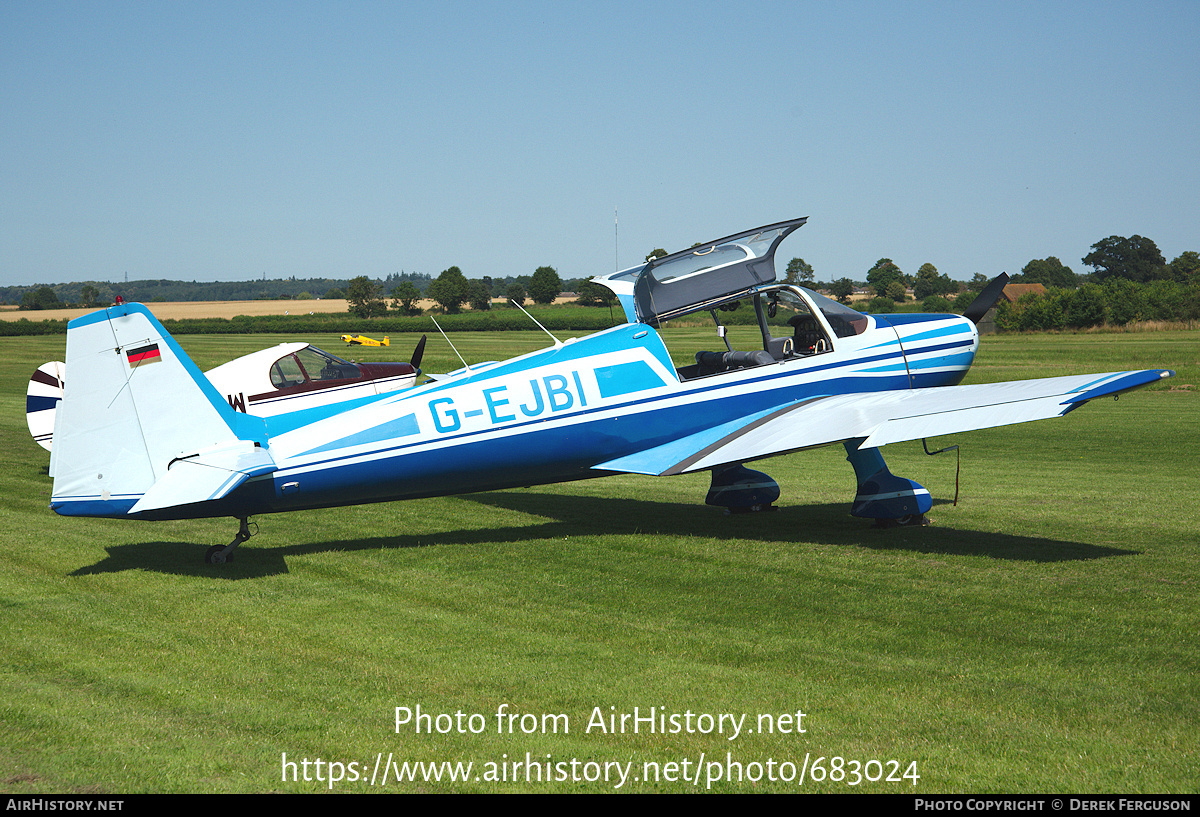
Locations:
(363, 340)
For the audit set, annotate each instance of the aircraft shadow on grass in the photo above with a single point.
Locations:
(571, 515)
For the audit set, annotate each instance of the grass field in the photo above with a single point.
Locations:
(1041, 636)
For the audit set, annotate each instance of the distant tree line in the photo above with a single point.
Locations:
(104, 293)
(1136, 259)
(452, 291)
(1129, 280)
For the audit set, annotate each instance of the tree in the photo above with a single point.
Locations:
(799, 272)
(895, 291)
(884, 273)
(1135, 258)
(41, 298)
(89, 295)
(515, 294)
(659, 253)
(842, 289)
(593, 294)
(545, 285)
(1049, 271)
(480, 295)
(449, 289)
(1186, 268)
(1087, 307)
(1124, 299)
(974, 287)
(930, 282)
(365, 297)
(405, 297)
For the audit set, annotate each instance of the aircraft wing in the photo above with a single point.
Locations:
(206, 475)
(879, 418)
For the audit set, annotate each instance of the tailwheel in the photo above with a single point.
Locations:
(218, 555)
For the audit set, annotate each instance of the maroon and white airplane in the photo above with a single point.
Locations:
(287, 377)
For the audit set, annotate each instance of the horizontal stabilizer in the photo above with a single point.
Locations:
(206, 475)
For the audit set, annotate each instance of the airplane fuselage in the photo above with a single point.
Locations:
(562, 413)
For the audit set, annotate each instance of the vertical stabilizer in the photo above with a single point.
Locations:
(136, 404)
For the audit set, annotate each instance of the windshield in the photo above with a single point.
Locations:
(843, 320)
(311, 363)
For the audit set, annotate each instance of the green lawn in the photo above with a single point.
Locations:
(1041, 636)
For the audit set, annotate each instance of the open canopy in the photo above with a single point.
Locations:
(689, 279)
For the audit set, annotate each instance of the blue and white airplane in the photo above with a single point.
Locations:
(142, 434)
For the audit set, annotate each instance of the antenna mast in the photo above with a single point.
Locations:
(557, 342)
(452, 346)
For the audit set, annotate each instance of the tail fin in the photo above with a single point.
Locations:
(136, 406)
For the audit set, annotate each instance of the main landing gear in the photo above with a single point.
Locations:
(738, 489)
(218, 555)
(890, 500)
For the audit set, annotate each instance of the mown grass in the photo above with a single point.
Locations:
(1040, 636)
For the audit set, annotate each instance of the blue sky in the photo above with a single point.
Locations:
(225, 141)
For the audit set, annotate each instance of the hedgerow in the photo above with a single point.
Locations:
(1116, 302)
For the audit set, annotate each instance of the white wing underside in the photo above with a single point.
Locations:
(880, 418)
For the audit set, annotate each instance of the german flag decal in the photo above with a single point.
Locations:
(143, 355)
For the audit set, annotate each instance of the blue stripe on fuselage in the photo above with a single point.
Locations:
(291, 420)
(768, 394)
(534, 452)
(618, 339)
(626, 378)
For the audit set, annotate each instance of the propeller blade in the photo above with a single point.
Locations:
(418, 353)
(986, 299)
